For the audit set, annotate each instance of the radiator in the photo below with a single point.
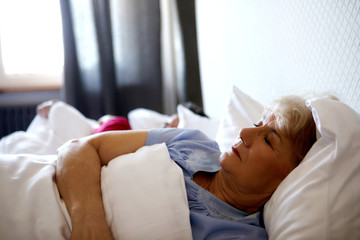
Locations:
(15, 118)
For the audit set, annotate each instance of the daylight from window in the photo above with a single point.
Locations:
(31, 37)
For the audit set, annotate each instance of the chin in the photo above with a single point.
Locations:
(222, 157)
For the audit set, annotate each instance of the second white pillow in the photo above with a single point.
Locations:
(240, 111)
(188, 119)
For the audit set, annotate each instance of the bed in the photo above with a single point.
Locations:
(318, 200)
(256, 51)
(147, 207)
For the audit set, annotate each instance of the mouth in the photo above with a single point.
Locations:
(235, 151)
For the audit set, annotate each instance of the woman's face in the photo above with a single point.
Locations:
(259, 160)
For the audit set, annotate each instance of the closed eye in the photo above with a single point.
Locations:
(266, 138)
(267, 141)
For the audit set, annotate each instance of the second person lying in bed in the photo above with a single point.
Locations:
(226, 191)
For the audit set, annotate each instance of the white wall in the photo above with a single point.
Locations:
(276, 47)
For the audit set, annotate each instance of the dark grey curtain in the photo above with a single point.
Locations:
(112, 55)
(189, 75)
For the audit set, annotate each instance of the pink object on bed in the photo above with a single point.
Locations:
(117, 123)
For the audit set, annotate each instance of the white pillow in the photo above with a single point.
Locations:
(320, 199)
(189, 119)
(240, 111)
(68, 123)
(145, 197)
(142, 118)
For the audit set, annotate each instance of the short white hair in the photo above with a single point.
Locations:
(294, 119)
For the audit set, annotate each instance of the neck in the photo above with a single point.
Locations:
(225, 189)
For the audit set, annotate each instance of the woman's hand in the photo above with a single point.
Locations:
(78, 178)
(78, 181)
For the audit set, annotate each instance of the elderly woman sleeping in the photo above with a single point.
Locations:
(227, 190)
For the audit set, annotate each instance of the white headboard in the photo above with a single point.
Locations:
(278, 47)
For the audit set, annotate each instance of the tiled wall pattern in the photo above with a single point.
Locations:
(276, 47)
(319, 43)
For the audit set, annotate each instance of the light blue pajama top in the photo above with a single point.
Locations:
(210, 217)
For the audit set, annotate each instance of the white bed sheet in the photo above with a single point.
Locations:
(32, 209)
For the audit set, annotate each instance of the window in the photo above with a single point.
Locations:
(31, 48)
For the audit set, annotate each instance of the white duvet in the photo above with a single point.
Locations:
(45, 136)
(144, 197)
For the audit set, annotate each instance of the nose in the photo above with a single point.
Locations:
(247, 136)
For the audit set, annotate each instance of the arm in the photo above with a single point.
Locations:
(78, 178)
